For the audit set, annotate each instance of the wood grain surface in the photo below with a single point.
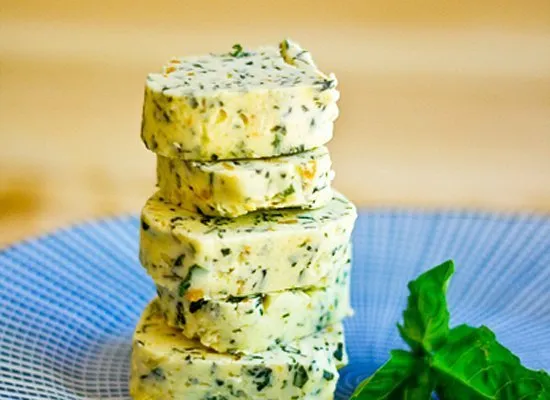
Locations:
(444, 104)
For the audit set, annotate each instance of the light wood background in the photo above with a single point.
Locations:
(444, 103)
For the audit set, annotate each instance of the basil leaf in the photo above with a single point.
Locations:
(404, 376)
(426, 318)
(473, 365)
(527, 385)
(462, 363)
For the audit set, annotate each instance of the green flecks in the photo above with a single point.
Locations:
(186, 282)
(180, 315)
(300, 377)
(213, 368)
(179, 260)
(236, 393)
(197, 305)
(226, 251)
(279, 132)
(287, 192)
(264, 274)
(306, 218)
(193, 103)
(339, 352)
(166, 116)
(283, 47)
(211, 179)
(176, 350)
(279, 128)
(261, 376)
(328, 376)
(291, 350)
(301, 274)
(156, 374)
(235, 299)
(238, 51)
(276, 143)
(325, 84)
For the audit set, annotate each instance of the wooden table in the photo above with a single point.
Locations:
(443, 104)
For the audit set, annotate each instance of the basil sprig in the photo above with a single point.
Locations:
(459, 363)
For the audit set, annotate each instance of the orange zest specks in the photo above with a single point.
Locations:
(194, 294)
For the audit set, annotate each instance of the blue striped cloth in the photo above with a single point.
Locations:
(69, 301)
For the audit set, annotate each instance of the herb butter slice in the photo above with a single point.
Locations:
(264, 251)
(233, 188)
(166, 365)
(239, 104)
(254, 323)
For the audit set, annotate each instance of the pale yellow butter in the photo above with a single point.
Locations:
(248, 104)
(233, 188)
(254, 323)
(260, 252)
(167, 366)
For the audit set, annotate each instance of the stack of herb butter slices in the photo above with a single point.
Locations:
(247, 243)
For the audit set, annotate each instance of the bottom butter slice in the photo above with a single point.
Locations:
(167, 366)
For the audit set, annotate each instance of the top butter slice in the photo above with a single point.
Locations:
(240, 104)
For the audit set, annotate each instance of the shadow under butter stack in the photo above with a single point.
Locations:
(247, 243)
